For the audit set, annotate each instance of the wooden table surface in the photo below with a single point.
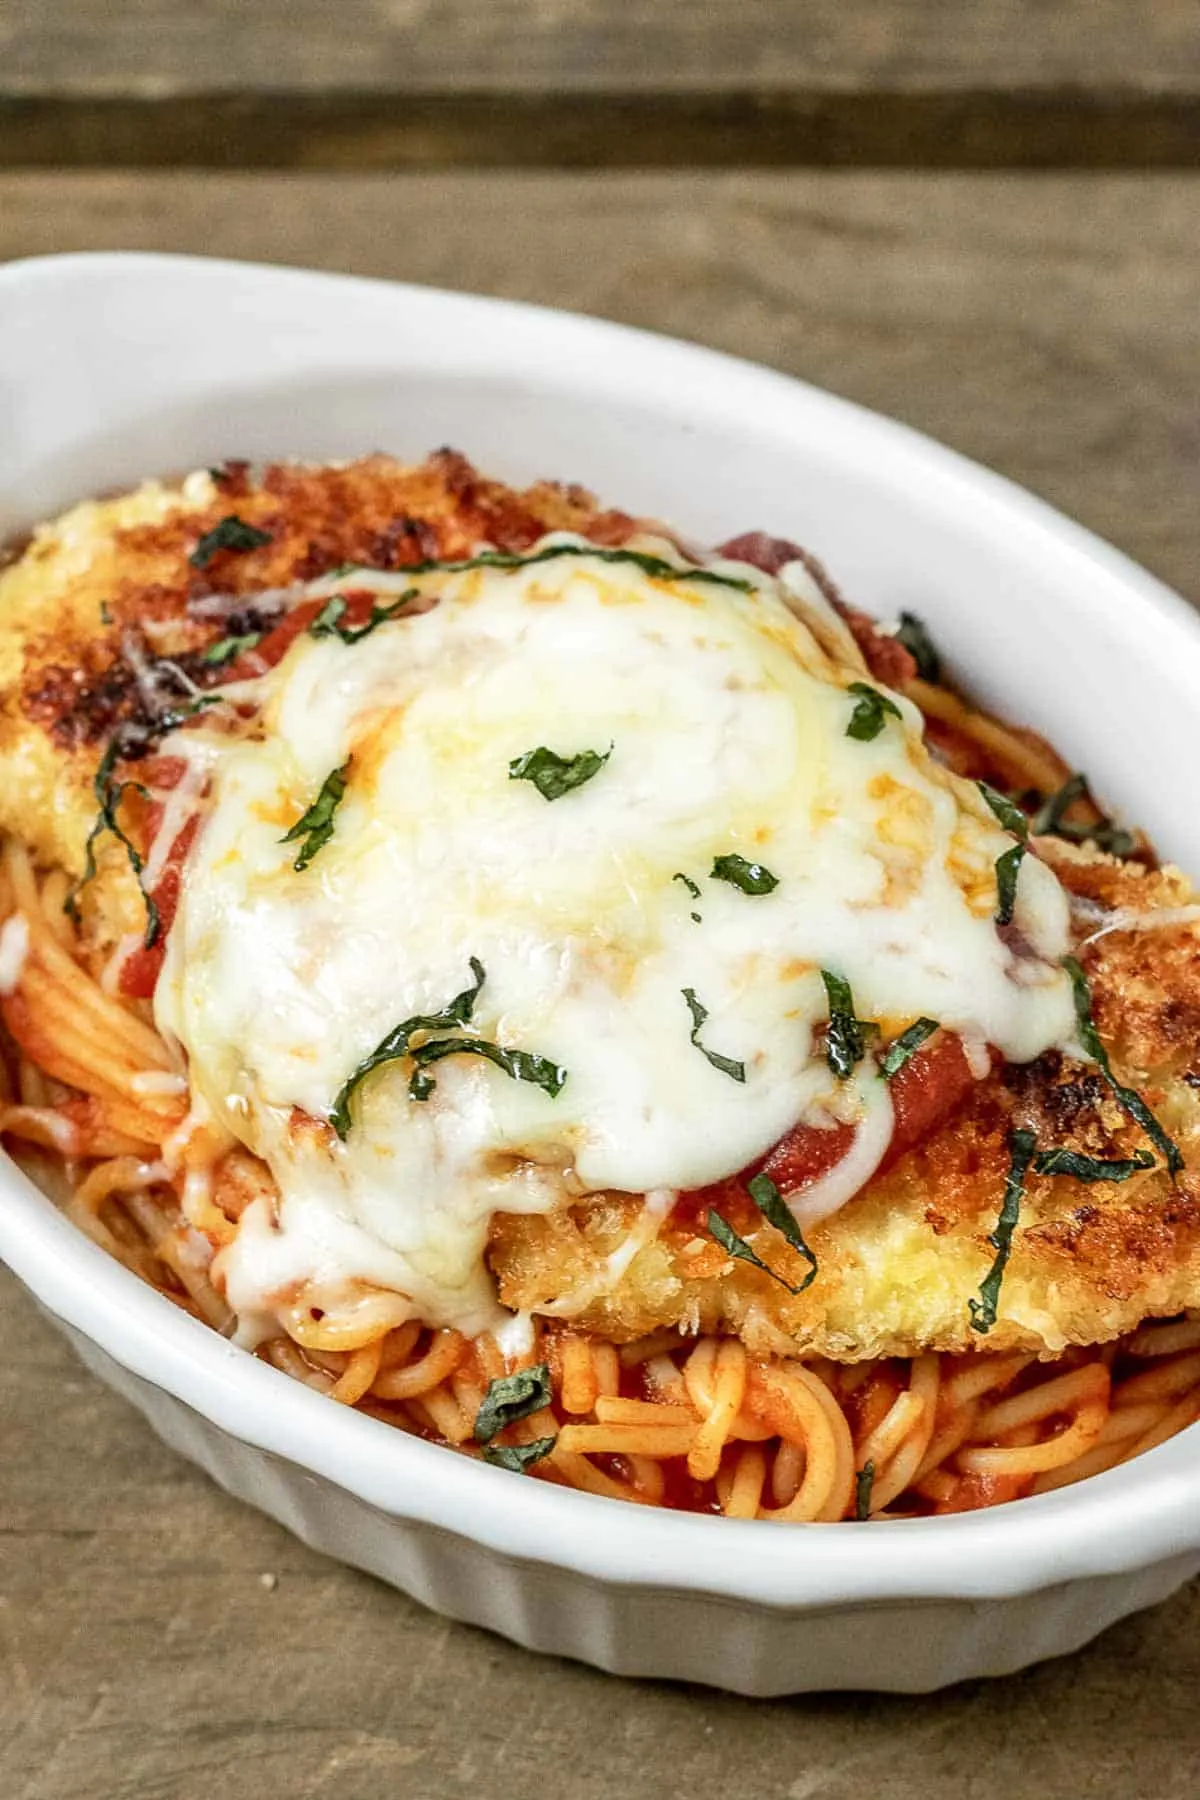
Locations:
(157, 1641)
(385, 83)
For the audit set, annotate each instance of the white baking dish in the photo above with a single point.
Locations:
(112, 368)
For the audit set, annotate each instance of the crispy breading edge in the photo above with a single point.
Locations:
(50, 614)
(111, 566)
(900, 1262)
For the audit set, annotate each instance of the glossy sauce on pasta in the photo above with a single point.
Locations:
(754, 817)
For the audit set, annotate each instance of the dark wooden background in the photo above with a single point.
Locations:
(983, 218)
(384, 83)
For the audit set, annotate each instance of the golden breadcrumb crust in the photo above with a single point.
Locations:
(109, 585)
(899, 1263)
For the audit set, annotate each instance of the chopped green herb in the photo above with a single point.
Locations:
(1008, 868)
(396, 1044)
(846, 1039)
(512, 1397)
(109, 795)
(554, 775)
(654, 566)
(693, 890)
(902, 1048)
(230, 533)
(869, 716)
(1129, 1098)
(864, 1482)
(1006, 811)
(776, 1211)
(106, 615)
(227, 648)
(1008, 865)
(326, 623)
(517, 1458)
(1048, 820)
(736, 1071)
(316, 825)
(129, 740)
(1091, 1168)
(519, 1065)
(733, 1245)
(912, 634)
(1021, 1146)
(750, 877)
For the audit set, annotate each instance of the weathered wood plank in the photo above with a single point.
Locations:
(364, 129)
(578, 82)
(98, 47)
(1044, 324)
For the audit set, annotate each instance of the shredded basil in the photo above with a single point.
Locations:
(750, 877)
(128, 740)
(1005, 810)
(1091, 1168)
(864, 1482)
(654, 566)
(109, 794)
(230, 533)
(1129, 1098)
(869, 715)
(1008, 868)
(905, 1046)
(316, 825)
(396, 1044)
(512, 1397)
(1021, 1146)
(846, 1039)
(519, 1065)
(1048, 820)
(733, 1245)
(776, 1211)
(517, 1458)
(327, 621)
(1008, 865)
(736, 1071)
(227, 648)
(554, 775)
(912, 634)
(693, 890)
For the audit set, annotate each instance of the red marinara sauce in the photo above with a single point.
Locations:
(929, 1087)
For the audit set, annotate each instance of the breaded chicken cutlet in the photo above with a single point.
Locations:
(117, 620)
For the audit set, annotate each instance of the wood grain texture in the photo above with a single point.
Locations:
(1044, 324)
(117, 46)
(396, 83)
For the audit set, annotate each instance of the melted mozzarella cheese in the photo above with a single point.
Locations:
(723, 716)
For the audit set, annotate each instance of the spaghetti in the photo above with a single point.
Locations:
(95, 1110)
(95, 1104)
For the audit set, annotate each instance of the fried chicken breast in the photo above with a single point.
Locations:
(109, 621)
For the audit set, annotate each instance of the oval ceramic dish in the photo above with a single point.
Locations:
(113, 368)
